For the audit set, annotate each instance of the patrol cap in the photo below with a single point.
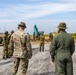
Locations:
(22, 24)
(62, 25)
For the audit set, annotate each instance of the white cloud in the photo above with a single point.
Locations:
(22, 12)
(4, 20)
(70, 0)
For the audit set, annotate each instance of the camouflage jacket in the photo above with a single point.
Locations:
(5, 41)
(19, 40)
(42, 37)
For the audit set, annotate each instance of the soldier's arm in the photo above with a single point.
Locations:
(29, 50)
(44, 36)
(72, 47)
(28, 45)
(53, 47)
(11, 43)
(3, 41)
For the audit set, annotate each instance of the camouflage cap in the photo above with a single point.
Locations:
(42, 32)
(12, 31)
(62, 25)
(22, 24)
(6, 32)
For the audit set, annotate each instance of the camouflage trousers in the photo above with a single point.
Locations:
(10, 51)
(42, 46)
(20, 64)
(5, 52)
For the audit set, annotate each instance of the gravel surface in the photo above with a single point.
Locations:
(39, 64)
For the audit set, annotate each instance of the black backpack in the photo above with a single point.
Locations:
(1, 39)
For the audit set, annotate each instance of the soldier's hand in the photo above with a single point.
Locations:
(29, 57)
(53, 60)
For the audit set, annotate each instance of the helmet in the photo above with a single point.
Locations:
(12, 31)
(22, 24)
(6, 32)
(62, 25)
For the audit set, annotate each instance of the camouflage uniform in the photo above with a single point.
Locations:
(10, 48)
(42, 37)
(50, 36)
(28, 45)
(9, 51)
(62, 48)
(5, 45)
(21, 55)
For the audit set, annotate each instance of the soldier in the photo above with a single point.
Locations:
(61, 50)
(22, 50)
(5, 45)
(10, 49)
(11, 34)
(50, 36)
(42, 37)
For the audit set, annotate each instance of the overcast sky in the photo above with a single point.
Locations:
(46, 14)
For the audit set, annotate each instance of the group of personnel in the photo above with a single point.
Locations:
(62, 48)
(7, 50)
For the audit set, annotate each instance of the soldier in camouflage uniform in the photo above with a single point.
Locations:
(42, 37)
(61, 50)
(5, 45)
(50, 36)
(22, 50)
(10, 49)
